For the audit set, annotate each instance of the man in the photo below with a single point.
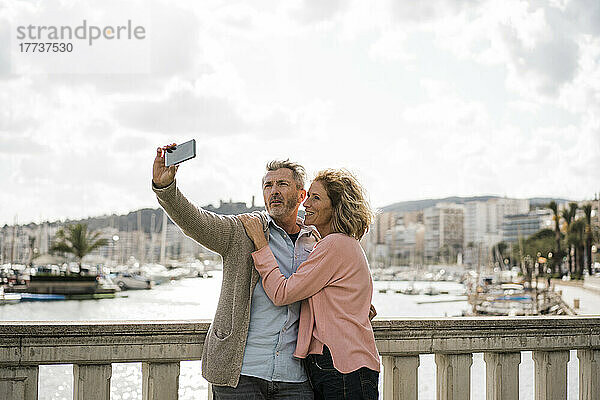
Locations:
(248, 348)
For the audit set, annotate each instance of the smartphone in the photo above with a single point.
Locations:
(180, 153)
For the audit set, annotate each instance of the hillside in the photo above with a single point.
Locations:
(129, 222)
(418, 205)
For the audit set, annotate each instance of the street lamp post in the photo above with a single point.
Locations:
(594, 251)
(115, 239)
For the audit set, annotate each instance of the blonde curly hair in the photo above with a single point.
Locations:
(351, 212)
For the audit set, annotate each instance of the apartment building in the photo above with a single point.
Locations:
(444, 232)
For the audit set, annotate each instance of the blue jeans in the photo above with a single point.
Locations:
(330, 384)
(251, 388)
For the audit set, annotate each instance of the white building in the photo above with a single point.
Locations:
(526, 224)
(444, 232)
(483, 219)
(405, 243)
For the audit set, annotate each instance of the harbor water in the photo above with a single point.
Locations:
(196, 298)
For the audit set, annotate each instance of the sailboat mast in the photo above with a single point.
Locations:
(163, 238)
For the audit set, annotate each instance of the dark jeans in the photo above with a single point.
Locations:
(329, 384)
(250, 388)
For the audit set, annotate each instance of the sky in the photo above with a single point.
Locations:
(420, 100)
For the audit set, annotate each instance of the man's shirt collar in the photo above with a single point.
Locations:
(303, 228)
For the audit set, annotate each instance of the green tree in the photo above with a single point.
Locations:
(573, 208)
(78, 241)
(556, 260)
(576, 241)
(540, 242)
(587, 210)
(569, 215)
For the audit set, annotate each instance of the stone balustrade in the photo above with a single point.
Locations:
(592, 283)
(91, 346)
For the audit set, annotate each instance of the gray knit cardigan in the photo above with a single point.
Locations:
(224, 234)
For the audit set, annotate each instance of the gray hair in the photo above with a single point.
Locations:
(298, 171)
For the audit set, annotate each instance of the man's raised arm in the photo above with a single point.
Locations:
(207, 228)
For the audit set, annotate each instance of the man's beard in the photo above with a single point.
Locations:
(282, 211)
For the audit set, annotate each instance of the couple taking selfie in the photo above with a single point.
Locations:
(293, 319)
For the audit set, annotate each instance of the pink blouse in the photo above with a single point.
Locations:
(336, 288)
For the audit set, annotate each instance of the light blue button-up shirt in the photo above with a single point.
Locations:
(273, 330)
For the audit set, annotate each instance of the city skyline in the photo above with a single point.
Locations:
(420, 99)
(459, 229)
(236, 204)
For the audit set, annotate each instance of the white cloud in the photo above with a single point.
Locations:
(181, 112)
(314, 11)
(391, 47)
(582, 94)
(421, 99)
(525, 106)
(542, 68)
(207, 108)
(446, 111)
(537, 44)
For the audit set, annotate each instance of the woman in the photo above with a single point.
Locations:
(335, 333)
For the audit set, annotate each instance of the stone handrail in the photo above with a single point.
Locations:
(91, 346)
(592, 283)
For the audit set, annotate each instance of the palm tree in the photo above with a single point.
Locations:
(569, 216)
(77, 241)
(566, 214)
(557, 253)
(576, 239)
(573, 209)
(587, 210)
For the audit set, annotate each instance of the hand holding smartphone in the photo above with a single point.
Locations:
(177, 154)
(167, 160)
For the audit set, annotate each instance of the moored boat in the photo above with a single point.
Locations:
(64, 285)
(9, 298)
(42, 297)
(91, 296)
(514, 300)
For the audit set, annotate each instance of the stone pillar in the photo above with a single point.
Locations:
(160, 381)
(502, 376)
(453, 376)
(19, 383)
(91, 382)
(589, 374)
(550, 374)
(400, 377)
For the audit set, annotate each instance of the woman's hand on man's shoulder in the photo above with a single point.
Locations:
(254, 229)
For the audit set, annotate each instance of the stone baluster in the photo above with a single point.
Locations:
(91, 382)
(502, 375)
(550, 374)
(453, 376)
(19, 383)
(589, 374)
(160, 381)
(400, 377)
